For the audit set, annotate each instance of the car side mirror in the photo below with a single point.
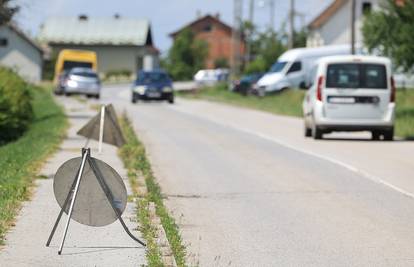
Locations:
(303, 86)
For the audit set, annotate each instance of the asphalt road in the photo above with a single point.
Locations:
(247, 189)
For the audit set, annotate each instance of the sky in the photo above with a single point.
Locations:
(166, 16)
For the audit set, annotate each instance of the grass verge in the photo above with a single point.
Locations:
(290, 103)
(20, 160)
(134, 156)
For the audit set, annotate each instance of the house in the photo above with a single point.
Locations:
(333, 25)
(218, 36)
(121, 44)
(19, 52)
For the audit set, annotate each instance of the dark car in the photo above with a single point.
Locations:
(246, 82)
(153, 85)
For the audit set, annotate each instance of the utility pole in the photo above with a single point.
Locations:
(236, 36)
(353, 27)
(272, 14)
(291, 24)
(250, 33)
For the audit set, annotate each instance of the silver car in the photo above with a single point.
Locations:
(350, 93)
(82, 81)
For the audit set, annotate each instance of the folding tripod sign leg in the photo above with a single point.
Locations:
(72, 194)
(110, 198)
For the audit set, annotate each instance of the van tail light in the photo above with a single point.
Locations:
(393, 90)
(319, 88)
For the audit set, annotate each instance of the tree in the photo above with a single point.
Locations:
(389, 32)
(221, 63)
(265, 48)
(186, 56)
(7, 11)
(300, 38)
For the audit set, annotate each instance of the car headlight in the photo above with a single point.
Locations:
(167, 89)
(72, 83)
(140, 89)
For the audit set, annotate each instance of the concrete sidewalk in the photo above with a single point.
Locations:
(84, 246)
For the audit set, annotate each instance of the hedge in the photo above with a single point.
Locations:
(16, 110)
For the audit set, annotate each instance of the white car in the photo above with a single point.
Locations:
(350, 93)
(211, 76)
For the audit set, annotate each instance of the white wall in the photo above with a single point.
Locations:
(20, 56)
(337, 29)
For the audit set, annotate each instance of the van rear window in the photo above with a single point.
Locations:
(356, 75)
(68, 65)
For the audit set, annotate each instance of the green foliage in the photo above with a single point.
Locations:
(390, 32)
(15, 105)
(20, 160)
(257, 65)
(186, 56)
(221, 63)
(7, 11)
(265, 48)
(300, 38)
(48, 71)
(116, 73)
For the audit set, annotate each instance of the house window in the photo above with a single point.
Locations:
(207, 28)
(3, 42)
(366, 8)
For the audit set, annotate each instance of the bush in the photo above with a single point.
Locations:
(16, 110)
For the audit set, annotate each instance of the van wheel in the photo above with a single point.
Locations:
(376, 135)
(317, 133)
(389, 135)
(308, 131)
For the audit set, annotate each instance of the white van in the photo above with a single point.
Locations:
(350, 93)
(293, 66)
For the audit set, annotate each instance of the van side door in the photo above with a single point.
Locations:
(295, 74)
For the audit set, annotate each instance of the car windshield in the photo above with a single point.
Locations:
(277, 67)
(354, 75)
(87, 74)
(152, 77)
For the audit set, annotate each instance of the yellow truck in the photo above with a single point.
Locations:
(70, 58)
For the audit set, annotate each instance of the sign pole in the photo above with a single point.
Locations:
(101, 129)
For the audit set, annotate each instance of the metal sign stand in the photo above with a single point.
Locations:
(72, 197)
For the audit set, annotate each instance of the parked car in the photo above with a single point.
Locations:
(61, 82)
(350, 93)
(245, 84)
(211, 76)
(82, 81)
(156, 85)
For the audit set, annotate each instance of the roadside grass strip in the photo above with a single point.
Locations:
(405, 114)
(21, 160)
(289, 102)
(135, 159)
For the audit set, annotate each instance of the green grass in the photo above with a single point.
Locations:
(20, 160)
(135, 159)
(405, 114)
(289, 103)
